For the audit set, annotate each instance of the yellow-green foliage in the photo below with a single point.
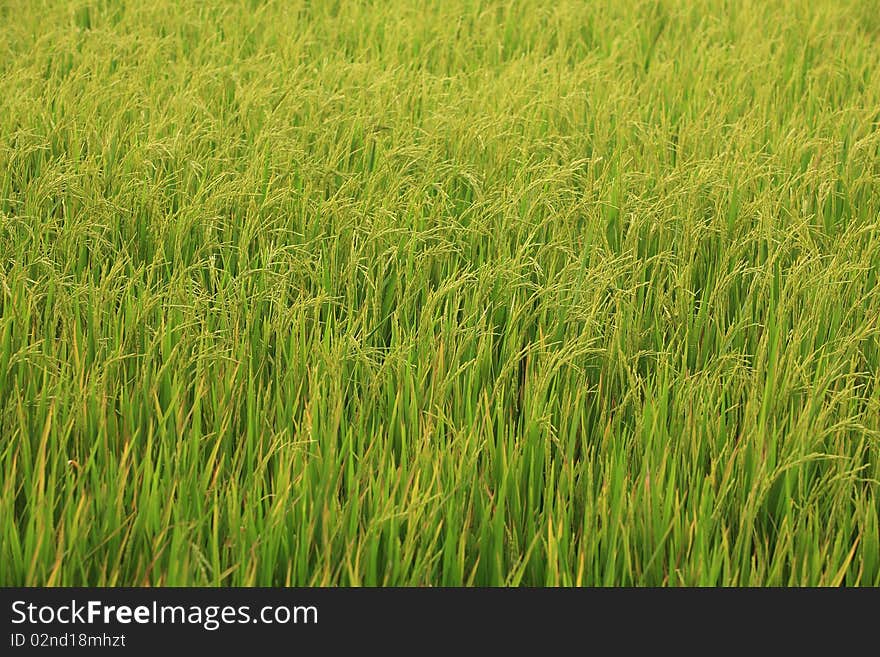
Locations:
(451, 292)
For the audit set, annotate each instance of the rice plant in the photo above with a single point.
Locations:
(442, 292)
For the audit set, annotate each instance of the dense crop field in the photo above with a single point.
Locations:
(437, 293)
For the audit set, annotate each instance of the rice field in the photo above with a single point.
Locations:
(440, 292)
